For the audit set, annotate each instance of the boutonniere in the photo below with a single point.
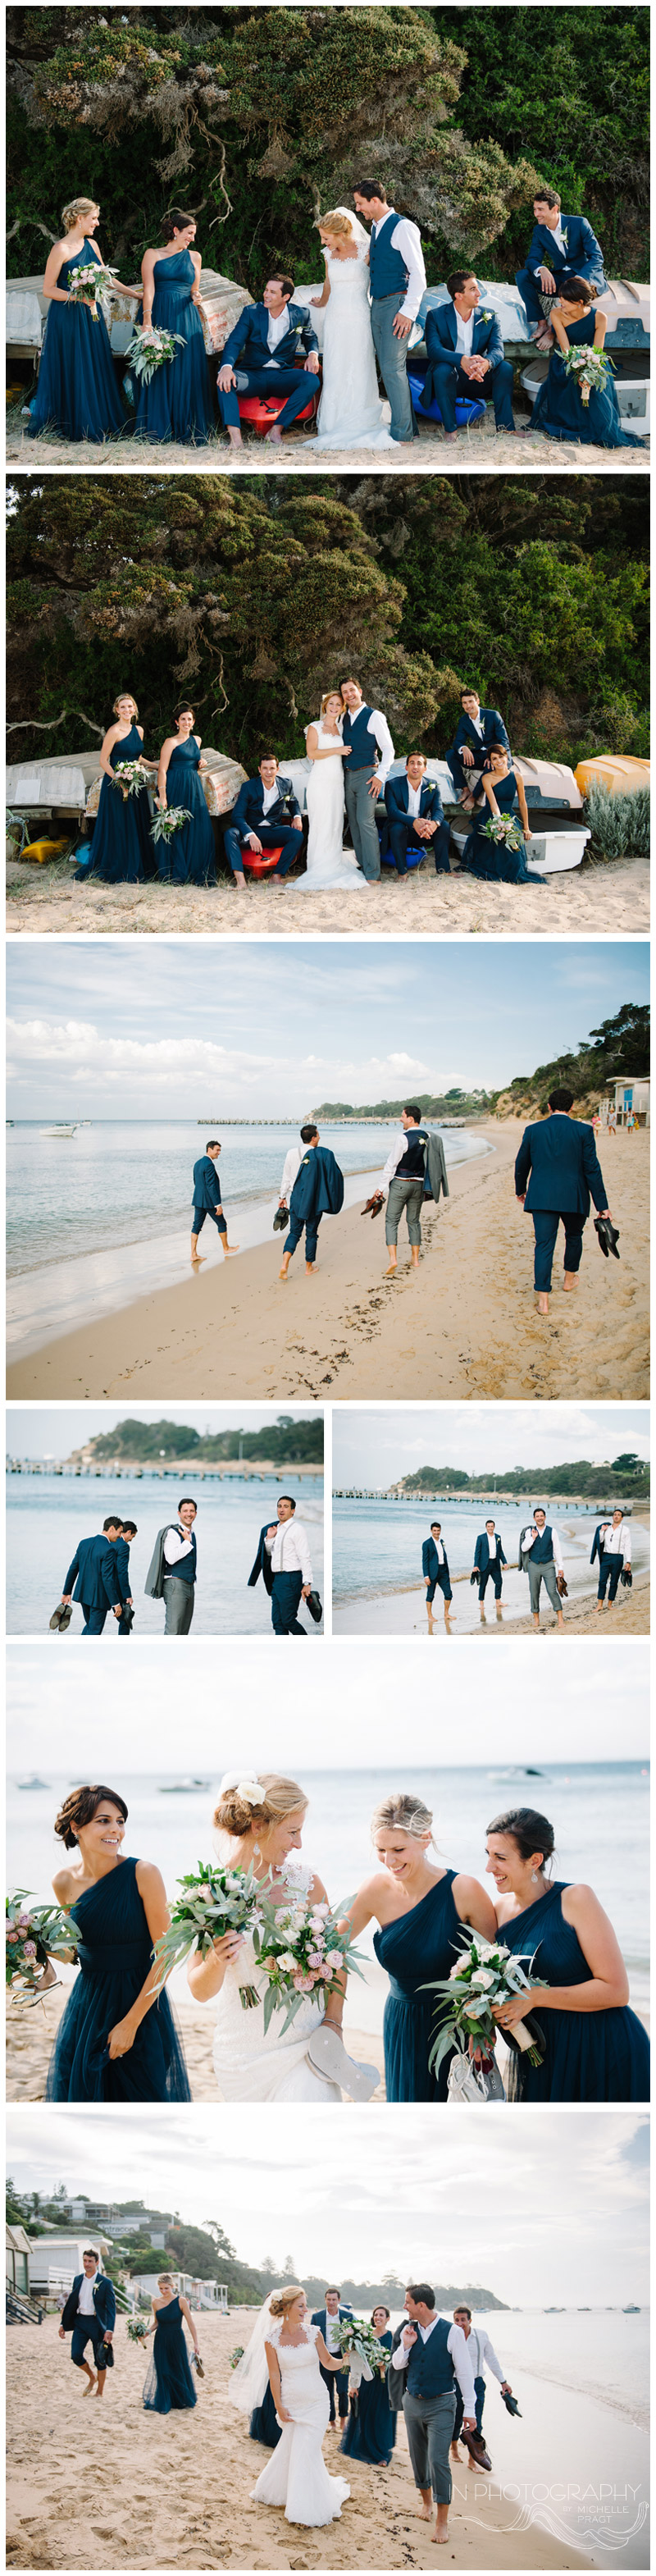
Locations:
(565, 236)
(485, 317)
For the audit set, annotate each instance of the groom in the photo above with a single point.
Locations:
(367, 733)
(90, 2315)
(397, 279)
(259, 356)
(428, 2356)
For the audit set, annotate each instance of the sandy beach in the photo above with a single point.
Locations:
(580, 901)
(403, 1614)
(236, 1330)
(478, 450)
(31, 2033)
(175, 2492)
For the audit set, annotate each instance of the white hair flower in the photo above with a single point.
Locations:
(249, 1789)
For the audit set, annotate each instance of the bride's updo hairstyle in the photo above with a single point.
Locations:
(284, 2299)
(75, 213)
(403, 1812)
(336, 223)
(235, 1814)
(80, 1808)
(528, 1829)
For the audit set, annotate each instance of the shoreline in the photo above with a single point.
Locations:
(424, 1333)
(373, 1613)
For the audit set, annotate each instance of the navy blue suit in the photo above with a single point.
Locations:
(207, 1195)
(284, 1591)
(89, 2329)
(445, 382)
(558, 1168)
(401, 826)
(93, 1579)
(494, 731)
(122, 1554)
(610, 1565)
(336, 2381)
(488, 1562)
(247, 350)
(582, 257)
(275, 833)
(437, 1573)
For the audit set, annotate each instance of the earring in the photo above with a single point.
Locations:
(257, 1855)
(534, 1878)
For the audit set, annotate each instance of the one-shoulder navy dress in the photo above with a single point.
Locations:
(558, 410)
(188, 859)
(264, 2426)
(589, 2057)
(176, 405)
(114, 1956)
(420, 1945)
(77, 392)
(169, 2382)
(370, 2434)
(493, 859)
(122, 851)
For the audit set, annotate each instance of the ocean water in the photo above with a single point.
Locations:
(600, 1814)
(577, 2463)
(377, 1549)
(46, 1515)
(103, 1216)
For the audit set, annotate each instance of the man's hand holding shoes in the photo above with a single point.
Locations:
(372, 1206)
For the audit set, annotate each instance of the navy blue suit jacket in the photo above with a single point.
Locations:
(207, 1186)
(494, 731)
(249, 344)
(441, 332)
(583, 254)
(94, 1573)
(558, 1167)
(396, 800)
(122, 1554)
(430, 1563)
(103, 2300)
(483, 1554)
(320, 2317)
(262, 1562)
(248, 813)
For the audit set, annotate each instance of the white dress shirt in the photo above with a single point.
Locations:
(290, 1170)
(439, 1550)
(176, 1544)
(616, 1542)
(414, 796)
(526, 1542)
(85, 2303)
(556, 236)
(395, 1156)
(465, 332)
(406, 238)
(289, 1550)
(458, 2347)
(330, 2337)
(482, 2353)
(270, 793)
(278, 324)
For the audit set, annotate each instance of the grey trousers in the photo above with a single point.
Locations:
(179, 1603)
(408, 1195)
(545, 1574)
(429, 2423)
(361, 813)
(392, 355)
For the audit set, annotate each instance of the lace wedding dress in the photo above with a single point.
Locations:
(350, 412)
(327, 863)
(296, 2475)
(254, 2065)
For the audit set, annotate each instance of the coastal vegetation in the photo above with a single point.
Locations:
(285, 1443)
(578, 1476)
(619, 1046)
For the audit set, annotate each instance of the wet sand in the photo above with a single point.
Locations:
(403, 1614)
(583, 901)
(463, 1324)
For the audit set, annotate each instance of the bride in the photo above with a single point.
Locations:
(291, 2352)
(263, 1820)
(328, 864)
(350, 412)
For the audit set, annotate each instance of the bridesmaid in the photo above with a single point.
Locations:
(117, 2040)
(77, 392)
(501, 792)
(176, 405)
(558, 409)
(122, 848)
(264, 2426)
(371, 2430)
(189, 858)
(169, 2383)
(596, 2049)
(419, 1910)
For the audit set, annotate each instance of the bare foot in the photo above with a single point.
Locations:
(196, 1259)
(310, 1268)
(282, 1274)
(92, 2385)
(425, 2513)
(390, 1272)
(569, 1282)
(228, 1248)
(542, 1306)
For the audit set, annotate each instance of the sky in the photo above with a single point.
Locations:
(257, 1027)
(517, 1714)
(377, 1446)
(523, 2204)
(53, 1430)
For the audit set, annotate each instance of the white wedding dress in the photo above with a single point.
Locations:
(327, 863)
(350, 411)
(296, 2475)
(254, 2065)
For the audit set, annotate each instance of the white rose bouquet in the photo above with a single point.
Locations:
(89, 283)
(591, 367)
(214, 1901)
(34, 1934)
(503, 827)
(151, 349)
(302, 1952)
(170, 820)
(129, 776)
(359, 2346)
(483, 1974)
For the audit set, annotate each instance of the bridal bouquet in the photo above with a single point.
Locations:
(302, 1952)
(217, 1900)
(503, 827)
(137, 2329)
(87, 283)
(34, 1935)
(129, 777)
(359, 2345)
(592, 368)
(151, 349)
(169, 821)
(483, 1974)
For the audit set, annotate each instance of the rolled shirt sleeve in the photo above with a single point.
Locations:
(488, 2356)
(175, 1546)
(406, 239)
(379, 727)
(395, 1156)
(291, 1167)
(459, 2350)
(557, 1549)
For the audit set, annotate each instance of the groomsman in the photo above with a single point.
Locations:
(397, 278)
(267, 816)
(172, 1571)
(416, 1158)
(478, 730)
(556, 1171)
(318, 1191)
(415, 817)
(482, 2353)
(489, 1561)
(207, 1201)
(127, 1533)
(367, 733)
(283, 1560)
(435, 1570)
(465, 356)
(263, 348)
(428, 2357)
(336, 2381)
(94, 1572)
(89, 2316)
(561, 247)
(541, 1558)
(612, 1545)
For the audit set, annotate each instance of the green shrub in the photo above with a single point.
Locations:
(619, 824)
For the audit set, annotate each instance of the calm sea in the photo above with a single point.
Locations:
(104, 1215)
(377, 1548)
(600, 1814)
(46, 1515)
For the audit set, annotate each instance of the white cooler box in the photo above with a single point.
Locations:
(547, 853)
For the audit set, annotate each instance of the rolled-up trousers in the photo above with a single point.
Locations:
(408, 1195)
(610, 1568)
(429, 2423)
(179, 1605)
(543, 1574)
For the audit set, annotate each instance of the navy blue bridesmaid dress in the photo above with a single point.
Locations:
(420, 1945)
(492, 859)
(176, 405)
(169, 2383)
(114, 1956)
(264, 2426)
(589, 2057)
(188, 859)
(371, 2432)
(558, 410)
(77, 393)
(122, 850)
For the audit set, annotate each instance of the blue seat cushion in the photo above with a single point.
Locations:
(466, 412)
